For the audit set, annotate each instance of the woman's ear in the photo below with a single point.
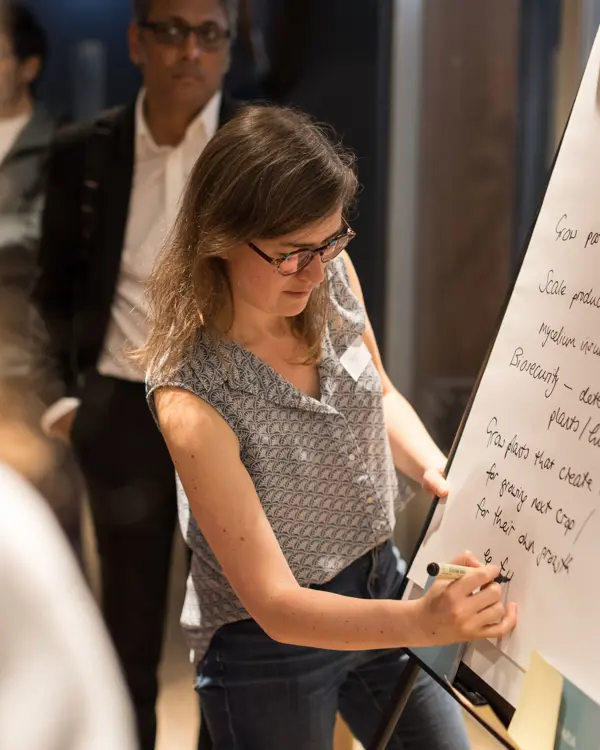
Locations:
(229, 251)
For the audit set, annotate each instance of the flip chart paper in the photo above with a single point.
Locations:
(526, 474)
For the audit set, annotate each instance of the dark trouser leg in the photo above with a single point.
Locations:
(204, 739)
(131, 483)
(432, 718)
(257, 694)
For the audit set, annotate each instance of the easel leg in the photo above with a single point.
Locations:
(396, 706)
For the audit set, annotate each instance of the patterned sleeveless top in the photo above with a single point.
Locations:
(323, 470)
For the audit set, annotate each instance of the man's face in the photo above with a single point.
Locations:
(179, 66)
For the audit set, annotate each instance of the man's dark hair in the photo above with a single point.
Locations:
(26, 33)
(141, 10)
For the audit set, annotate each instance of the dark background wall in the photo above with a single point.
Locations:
(69, 22)
(467, 188)
(334, 63)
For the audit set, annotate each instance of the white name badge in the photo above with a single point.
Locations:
(356, 358)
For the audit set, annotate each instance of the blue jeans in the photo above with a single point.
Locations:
(257, 694)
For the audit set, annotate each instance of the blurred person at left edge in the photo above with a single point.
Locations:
(60, 685)
(26, 130)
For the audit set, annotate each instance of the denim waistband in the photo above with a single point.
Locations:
(376, 575)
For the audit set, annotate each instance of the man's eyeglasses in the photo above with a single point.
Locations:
(211, 37)
(295, 261)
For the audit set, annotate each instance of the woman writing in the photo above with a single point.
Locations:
(286, 433)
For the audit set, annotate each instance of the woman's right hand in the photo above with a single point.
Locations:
(450, 611)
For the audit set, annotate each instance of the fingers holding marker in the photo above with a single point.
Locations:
(475, 592)
(495, 621)
(466, 560)
(481, 590)
(503, 627)
(486, 597)
(489, 616)
(482, 614)
(470, 602)
(454, 571)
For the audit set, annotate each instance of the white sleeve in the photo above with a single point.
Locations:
(58, 410)
(60, 687)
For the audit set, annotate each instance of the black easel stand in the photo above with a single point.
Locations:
(396, 706)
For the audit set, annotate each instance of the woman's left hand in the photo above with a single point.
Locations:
(435, 482)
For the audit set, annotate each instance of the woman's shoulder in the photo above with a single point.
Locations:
(200, 371)
(199, 366)
(347, 313)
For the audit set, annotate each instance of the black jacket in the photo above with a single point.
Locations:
(22, 182)
(90, 174)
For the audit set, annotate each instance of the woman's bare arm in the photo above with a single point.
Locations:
(414, 451)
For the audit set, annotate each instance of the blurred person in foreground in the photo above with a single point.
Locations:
(23, 371)
(60, 686)
(25, 134)
(286, 434)
(26, 130)
(114, 188)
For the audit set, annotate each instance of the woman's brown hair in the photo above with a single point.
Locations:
(269, 172)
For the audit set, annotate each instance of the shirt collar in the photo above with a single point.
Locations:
(206, 122)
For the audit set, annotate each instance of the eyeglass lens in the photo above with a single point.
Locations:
(298, 261)
(210, 35)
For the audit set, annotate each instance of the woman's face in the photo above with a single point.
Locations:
(258, 284)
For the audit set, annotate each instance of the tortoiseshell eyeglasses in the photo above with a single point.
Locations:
(294, 262)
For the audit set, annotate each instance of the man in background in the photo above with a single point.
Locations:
(25, 134)
(114, 189)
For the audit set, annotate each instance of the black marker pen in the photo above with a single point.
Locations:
(454, 572)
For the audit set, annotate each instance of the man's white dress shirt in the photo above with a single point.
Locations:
(159, 178)
(10, 129)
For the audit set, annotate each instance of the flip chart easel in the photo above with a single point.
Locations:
(525, 466)
(399, 702)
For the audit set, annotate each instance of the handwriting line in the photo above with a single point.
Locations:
(585, 428)
(583, 527)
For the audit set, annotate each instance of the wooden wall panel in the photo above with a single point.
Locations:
(466, 192)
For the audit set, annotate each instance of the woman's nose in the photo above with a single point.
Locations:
(315, 270)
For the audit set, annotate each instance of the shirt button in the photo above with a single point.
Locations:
(369, 500)
(351, 457)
